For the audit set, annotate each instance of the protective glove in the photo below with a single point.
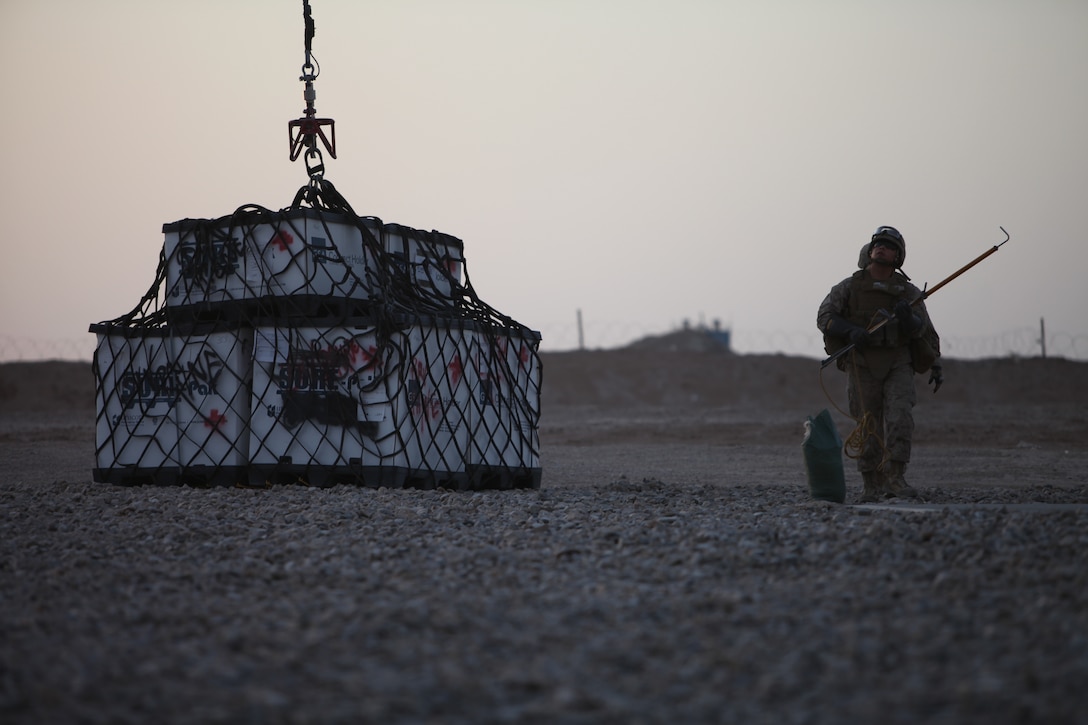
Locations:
(908, 321)
(936, 377)
(856, 335)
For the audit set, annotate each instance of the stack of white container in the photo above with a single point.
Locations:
(318, 347)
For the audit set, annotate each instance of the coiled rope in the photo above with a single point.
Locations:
(864, 427)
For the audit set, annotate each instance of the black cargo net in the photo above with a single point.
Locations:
(313, 345)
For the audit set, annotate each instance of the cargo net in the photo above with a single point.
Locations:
(316, 346)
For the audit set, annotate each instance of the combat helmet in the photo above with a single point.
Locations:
(889, 234)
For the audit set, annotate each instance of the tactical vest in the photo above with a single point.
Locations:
(868, 296)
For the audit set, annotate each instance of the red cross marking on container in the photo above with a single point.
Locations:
(214, 419)
(456, 370)
(282, 239)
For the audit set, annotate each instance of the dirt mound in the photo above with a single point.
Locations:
(673, 373)
(690, 340)
(47, 387)
(666, 377)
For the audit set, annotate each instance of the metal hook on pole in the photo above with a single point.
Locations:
(965, 267)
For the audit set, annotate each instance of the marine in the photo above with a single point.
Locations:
(882, 315)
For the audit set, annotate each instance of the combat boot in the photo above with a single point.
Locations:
(894, 482)
(872, 487)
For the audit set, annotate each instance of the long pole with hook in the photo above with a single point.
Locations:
(883, 320)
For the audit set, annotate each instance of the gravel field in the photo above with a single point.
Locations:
(672, 568)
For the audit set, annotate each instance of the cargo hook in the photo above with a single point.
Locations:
(305, 132)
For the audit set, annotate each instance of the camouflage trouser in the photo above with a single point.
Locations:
(889, 400)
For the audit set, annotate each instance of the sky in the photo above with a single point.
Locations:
(640, 163)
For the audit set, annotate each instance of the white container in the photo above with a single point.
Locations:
(442, 264)
(210, 262)
(292, 261)
(277, 261)
(213, 408)
(322, 411)
(343, 257)
(136, 389)
(433, 261)
(434, 408)
(339, 405)
(504, 372)
(327, 255)
(173, 406)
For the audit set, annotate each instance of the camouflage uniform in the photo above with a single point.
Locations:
(880, 377)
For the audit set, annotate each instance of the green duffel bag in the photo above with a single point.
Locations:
(822, 447)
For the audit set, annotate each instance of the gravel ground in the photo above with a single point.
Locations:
(672, 569)
(629, 601)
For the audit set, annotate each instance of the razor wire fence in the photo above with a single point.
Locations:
(30, 349)
(1023, 342)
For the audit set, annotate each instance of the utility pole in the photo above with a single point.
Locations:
(581, 334)
(1042, 335)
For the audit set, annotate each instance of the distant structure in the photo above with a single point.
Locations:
(689, 339)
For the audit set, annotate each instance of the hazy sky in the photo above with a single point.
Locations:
(644, 162)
